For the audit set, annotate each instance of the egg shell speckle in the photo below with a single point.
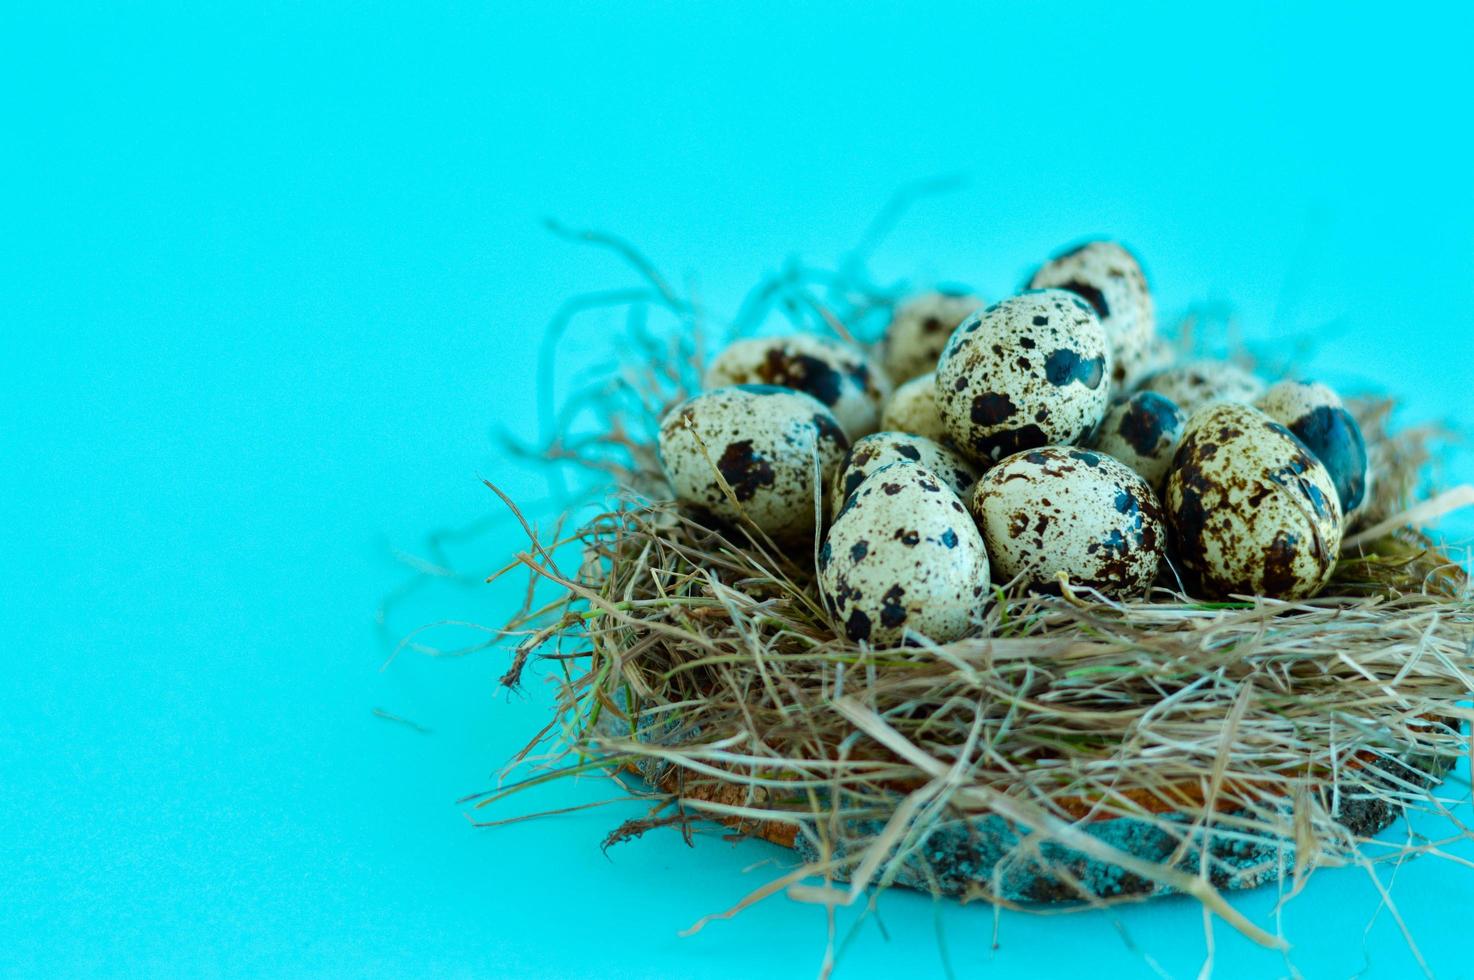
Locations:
(1107, 276)
(1143, 432)
(1062, 509)
(913, 409)
(904, 555)
(841, 376)
(1032, 370)
(767, 443)
(1195, 384)
(1318, 417)
(1252, 511)
(883, 448)
(919, 330)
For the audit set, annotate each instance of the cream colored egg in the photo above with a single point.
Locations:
(913, 409)
(1059, 509)
(919, 330)
(904, 557)
(1109, 278)
(1033, 370)
(772, 447)
(1252, 511)
(883, 448)
(838, 374)
(1194, 384)
(1143, 432)
(1319, 419)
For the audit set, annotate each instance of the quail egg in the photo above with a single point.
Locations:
(838, 374)
(773, 447)
(1252, 512)
(1142, 432)
(1194, 384)
(913, 408)
(903, 556)
(1316, 414)
(883, 448)
(1062, 509)
(1110, 279)
(1033, 370)
(919, 330)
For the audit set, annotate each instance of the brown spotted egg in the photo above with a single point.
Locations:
(1252, 511)
(913, 408)
(773, 447)
(1142, 432)
(919, 330)
(1033, 370)
(1061, 509)
(903, 557)
(841, 376)
(1317, 416)
(1194, 384)
(1109, 278)
(883, 448)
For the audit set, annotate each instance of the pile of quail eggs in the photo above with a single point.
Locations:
(1047, 441)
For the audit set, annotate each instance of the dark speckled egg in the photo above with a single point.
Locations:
(917, 333)
(1033, 370)
(1142, 432)
(883, 448)
(904, 557)
(1109, 278)
(1061, 509)
(1205, 381)
(773, 447)
(1315, 414)
(1252, 511)
(838, 374)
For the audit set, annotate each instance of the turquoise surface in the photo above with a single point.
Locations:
(271, 279)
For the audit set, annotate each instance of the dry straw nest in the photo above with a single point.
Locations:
(1077, 750)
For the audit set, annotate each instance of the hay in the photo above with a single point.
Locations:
(1079, 749)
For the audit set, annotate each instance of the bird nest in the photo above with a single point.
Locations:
(1077, 749)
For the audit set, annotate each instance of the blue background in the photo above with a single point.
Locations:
(272, 273)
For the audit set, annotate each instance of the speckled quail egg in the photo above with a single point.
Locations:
(883, 448)
(903, 556)
(1033, 370)
(913, 408)
(919, 330)
(1316, 414)
(1142, 432)
(1194, 384)
(1252, 512)
(773, 446)
(1062, 509)
(841, 376)
(1110, 279)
